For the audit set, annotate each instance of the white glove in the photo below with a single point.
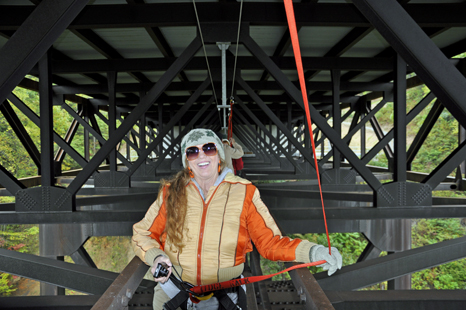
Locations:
(334, 261)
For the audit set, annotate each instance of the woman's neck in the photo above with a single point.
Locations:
(206, 184)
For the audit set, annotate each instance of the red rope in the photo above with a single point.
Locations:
(299, 65)
(237, 282)
(230, 122)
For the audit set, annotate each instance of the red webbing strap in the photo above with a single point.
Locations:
(237, 282)
(230, 122)
(302, 83)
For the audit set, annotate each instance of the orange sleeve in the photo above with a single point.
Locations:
(265, 233)
(148, 234)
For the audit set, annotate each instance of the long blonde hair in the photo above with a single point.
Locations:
(176, 203)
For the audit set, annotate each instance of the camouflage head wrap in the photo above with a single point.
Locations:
(200, 136)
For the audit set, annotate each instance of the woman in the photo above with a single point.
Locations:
(202, 224)
(232, 151)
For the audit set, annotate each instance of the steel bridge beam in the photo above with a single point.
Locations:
(295, 94)
(33, 38)
(71, 276)
(389, 267)
(142, 107)
(307, 14)
(419, 51)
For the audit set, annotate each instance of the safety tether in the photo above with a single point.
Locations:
(201, 289)
(230, 120)
(299, 65)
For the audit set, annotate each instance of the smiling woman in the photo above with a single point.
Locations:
(203, 224)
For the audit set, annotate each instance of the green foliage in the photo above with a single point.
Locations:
(5, 285)
(350, 245)
(20, 238)
(110, 253)
(442, 140)
(448, 276)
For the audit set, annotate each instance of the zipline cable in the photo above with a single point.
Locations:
(236, 53)
(232, 98)
(205, 55)
(299, 65)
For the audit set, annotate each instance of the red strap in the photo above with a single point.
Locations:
(230, 122)
(302, 83)
(237, 282)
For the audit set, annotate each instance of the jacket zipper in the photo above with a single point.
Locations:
(201, 233)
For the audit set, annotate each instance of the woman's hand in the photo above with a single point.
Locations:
(333, 261)
(165, 260)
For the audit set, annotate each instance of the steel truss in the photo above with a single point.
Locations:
(98, 199)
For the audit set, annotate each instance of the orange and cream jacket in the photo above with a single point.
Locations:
(218, 233)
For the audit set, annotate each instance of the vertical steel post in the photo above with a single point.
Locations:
(112, 77)
(46, 121)
(400, 173)
(223, 46)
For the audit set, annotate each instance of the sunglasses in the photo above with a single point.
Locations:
(209, 149)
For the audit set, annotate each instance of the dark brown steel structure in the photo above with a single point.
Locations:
(151, 75)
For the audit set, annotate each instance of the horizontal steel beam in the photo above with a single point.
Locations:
(255, 13)
(72, 302)
(395, 265)
(192, 86)
(76, 277)
(398, 299)
(341, 300)
(198, 63)
(283, 213)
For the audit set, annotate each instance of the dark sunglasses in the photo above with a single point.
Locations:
(210, 149)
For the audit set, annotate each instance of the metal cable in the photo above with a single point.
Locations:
(205, 53)
(236, 54)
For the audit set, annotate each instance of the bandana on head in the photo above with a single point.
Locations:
(197, 137)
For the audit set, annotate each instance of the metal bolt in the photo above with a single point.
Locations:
(129, 294)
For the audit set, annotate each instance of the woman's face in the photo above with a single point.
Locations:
(204, 167)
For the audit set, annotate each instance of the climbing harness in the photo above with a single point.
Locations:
(187, 291)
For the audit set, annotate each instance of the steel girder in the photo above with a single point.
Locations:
(95, 132)
(21, 132)
(123, 288)
(33, 38)
(388, 267)
(423, 132)
(72, 276)
(307, 14)
(341, 300)
(142, 107)
(418, 50)
(279, 124)
(389, 136)
(269, 135)
(317, 118)
(192, 86)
